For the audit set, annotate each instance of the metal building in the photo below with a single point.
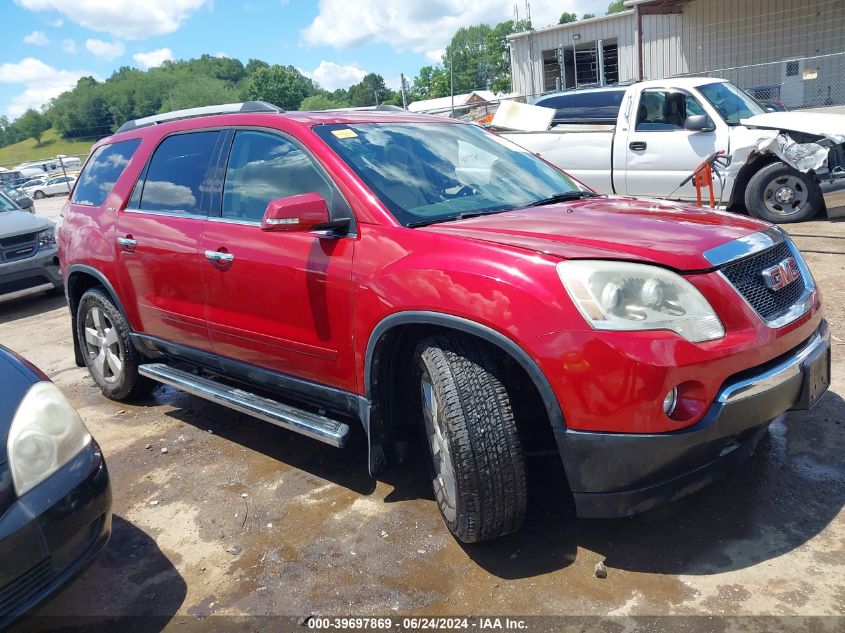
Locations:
(787, 50)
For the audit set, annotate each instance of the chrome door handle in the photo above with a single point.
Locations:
(127, 242)
(218, 257)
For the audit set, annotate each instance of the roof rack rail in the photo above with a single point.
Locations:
(226, 108)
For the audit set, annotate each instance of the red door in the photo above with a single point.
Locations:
(279, 300)
(158, 237)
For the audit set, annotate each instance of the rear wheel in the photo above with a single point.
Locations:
(780, 194)
(107, 349)
(477, 466)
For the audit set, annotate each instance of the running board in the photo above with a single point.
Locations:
(313, 425)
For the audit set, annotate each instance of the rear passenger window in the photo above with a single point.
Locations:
(263, 167)
(177, 173)
(102, 171)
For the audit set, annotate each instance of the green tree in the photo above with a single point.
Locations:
(202, 91)
(616, 7)
(370, 88)
(431, 82)
(566, 17)
(82, 112)
(321, 101)
(283, 86)
(33, 124)
(587, 16)
(498, 55)
(254, 64)
(469, 56)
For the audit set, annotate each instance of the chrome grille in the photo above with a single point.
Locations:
(746, 276)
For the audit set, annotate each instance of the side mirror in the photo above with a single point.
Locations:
(699, 123)
(305, 212)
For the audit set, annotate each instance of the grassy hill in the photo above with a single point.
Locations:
(51, 145)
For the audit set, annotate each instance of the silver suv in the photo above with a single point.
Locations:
(28, 259)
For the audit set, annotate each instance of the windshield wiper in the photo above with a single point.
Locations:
(566, 196)
(452, 218)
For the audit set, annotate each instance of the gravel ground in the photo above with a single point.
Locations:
(239, 517)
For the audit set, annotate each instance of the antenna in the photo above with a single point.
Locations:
(528, 10)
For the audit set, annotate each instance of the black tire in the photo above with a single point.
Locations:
(802, 197)
(39, 195)
(488, 496)
(113, 364)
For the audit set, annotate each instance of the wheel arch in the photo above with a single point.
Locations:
(80, 278)
(743, 177)
(389, 340)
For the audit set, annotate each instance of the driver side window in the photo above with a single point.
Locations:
(665, 110)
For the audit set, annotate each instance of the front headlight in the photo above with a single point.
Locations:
(625, 296)
(47, 237)
(46, 433)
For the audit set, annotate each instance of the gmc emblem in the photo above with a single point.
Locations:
(782, 275)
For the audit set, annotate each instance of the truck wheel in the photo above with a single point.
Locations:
(477, 467)
(780, 194)
(107, 349)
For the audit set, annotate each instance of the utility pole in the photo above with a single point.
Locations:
(402, 88)
(452, 85)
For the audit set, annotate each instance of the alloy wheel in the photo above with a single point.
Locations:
(439, 445)
(103, 345)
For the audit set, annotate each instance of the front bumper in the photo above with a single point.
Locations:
(31, 275)
(621, 474)
(53, 532)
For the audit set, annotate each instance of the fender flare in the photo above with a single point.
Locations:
(419, 317)
(101, 278)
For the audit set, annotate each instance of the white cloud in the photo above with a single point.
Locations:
(423, 26)
(37, 38)
(154, 58)
(105, 50)
(221, 55)
(68, 46)
(57, 24)
(127, 19)
(332, 76)
(41, 82)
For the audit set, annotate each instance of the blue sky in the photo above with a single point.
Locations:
(48, 44)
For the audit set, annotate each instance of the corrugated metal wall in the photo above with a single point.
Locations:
(708, 35)
(715, 34)
(527, 51)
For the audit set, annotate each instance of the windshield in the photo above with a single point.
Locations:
(732, 103)
(433, 172)
(6, 204)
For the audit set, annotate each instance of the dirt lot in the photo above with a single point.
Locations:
(239, 517)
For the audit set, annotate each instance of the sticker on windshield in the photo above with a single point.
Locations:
(345, 133)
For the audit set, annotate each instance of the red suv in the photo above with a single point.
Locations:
(416, 275)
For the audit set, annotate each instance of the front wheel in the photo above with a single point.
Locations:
(107, 349)
(39, 195)
(780, 194)
(477, 466)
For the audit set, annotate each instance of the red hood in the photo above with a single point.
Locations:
(667, 233)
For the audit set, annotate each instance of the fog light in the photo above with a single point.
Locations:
(670, 401)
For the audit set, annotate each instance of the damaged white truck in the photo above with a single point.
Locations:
(665, 128)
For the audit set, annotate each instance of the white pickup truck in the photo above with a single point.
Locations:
(666, 127)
